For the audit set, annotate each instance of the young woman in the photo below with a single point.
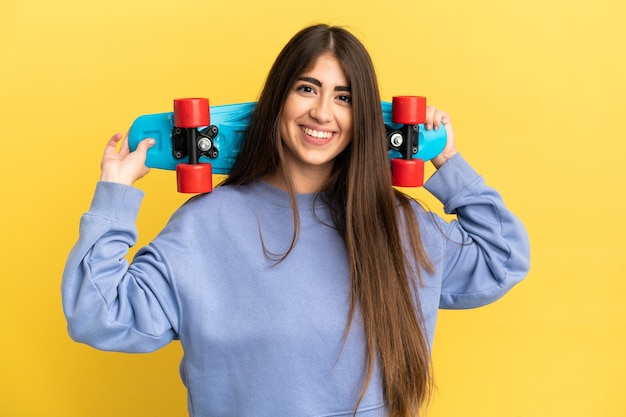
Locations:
(304, 285)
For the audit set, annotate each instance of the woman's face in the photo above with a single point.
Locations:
(316, 122)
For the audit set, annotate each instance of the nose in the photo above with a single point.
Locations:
(322, 110)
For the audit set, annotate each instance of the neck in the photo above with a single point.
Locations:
(303, 181)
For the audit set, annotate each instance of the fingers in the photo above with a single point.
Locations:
(435, 118)
(125, 149)
(124, 167)
(111, 145)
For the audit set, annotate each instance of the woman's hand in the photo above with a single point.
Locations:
(124, 167)
(434, 119)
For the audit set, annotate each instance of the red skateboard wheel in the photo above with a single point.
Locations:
(194, 178)
(407, 172)
(191, 112)
(408, 110)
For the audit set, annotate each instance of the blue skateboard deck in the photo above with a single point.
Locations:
(232, 121)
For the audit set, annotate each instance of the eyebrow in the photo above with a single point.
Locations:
(318, 83)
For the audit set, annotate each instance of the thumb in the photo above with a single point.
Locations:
(145, 144)
(143, 147)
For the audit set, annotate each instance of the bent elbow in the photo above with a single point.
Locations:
(85, 331)
(112, 336)
(519, 260)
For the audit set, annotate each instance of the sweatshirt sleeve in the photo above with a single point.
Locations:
(486, 249)
(108, 303)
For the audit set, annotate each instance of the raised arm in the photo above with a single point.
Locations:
(487, 249)
(108, 303)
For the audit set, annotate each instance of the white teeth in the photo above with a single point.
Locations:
(317, 133)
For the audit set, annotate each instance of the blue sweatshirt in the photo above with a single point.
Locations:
(267, 339)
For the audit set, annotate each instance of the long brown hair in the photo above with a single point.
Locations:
(376, 221)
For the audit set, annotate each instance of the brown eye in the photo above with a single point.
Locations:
(306, 89)
(345, 99)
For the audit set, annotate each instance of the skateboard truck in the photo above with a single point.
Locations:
(409, 112)
(185, 138)
(188, 140)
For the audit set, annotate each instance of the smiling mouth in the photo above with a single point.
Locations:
(317, 134)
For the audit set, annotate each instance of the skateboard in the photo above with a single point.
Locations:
(198, 140)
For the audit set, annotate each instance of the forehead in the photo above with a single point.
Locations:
(327, 67)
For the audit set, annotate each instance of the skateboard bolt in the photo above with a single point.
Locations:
(396, 140)
(204, 144)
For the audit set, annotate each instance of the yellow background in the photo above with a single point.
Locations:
(536, 90)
